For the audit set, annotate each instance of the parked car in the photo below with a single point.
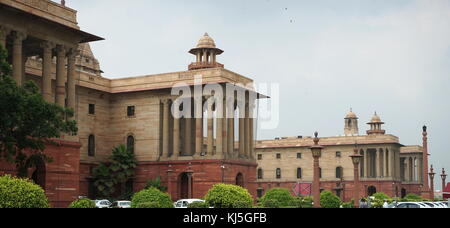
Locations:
(185, 202)
(411, 205)
(121, 204)
(102, 204)
(436, 204)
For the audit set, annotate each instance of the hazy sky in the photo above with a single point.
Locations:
(388, 56)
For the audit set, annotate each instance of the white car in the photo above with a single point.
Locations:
(412, 205)
(185, 202)
(121, 204)
(102, 204)
(436, 204)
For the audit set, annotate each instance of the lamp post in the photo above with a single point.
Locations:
(356, 159)
(316, 150)
(443, 177)
(432, 182)
(222, 167)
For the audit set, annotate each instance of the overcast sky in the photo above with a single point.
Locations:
(388, 56)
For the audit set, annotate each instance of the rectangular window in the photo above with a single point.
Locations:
(299, 173)
(92, 109)
(259, 156)
(299, 155)
(278, 156)
(338, 154)
(130, 111)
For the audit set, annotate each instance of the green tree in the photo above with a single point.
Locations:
(278, 197)
(329, 200)
(21, 193)
(228, 196)
(82, 203)
(116, 172)
(156, 183)
(151, 198)
(27, 121)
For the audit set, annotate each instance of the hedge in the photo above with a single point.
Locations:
(21, 193)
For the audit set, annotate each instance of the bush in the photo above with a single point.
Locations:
(151, 195)
(329, 200)
(228, 196)
(279, 197)
(413, 198)
(307, 202)
(82, 203)
(379, 200)
(350, 204)
(198, 204)
(21, 193)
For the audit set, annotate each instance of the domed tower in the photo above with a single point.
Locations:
(375, 126)
(206, 52)
(86, 61)
(351, 124)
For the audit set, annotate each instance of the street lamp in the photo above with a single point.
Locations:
(443, 177)
(316, 150)
(222, 167)
(432, 173)
(356, 159)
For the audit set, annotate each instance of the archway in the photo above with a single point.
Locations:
(403, 193)
(38, 175)
(371, 190)
(183, 186)
(240, 180)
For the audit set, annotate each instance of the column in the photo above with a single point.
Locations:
(47, 70)
(17, 60)
(230, 140)
(176, 131)
(241, 131)
(71, 79)
(386, 163)
(366, 166)
(406, 169)
(165, 128)
(61, 76)
(187, 134)
(247, 129)
(225, 127)
(391, 164)
(219, 127)
(4, 32)
(205, 56)
(198, 125)
(210, 121)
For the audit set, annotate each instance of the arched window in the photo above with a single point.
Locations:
(299, 173)
(339, 172)
(130, 144)
(260, 174)
(91, 146)
(278, 173)
(320, 172)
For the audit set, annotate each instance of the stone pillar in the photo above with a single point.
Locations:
(316, 183)
(386, 163)
(247, 130)
(366, 166)
(176, 132)
(4, 32)
(61, 76)
(391, 164)
(169, 181)
(406, 170)
(219, 128)
(47, 71)
(166, 111)
(242, 131)
(189, 174)
(210, 121)
(198, 125)
(251, 129)
(426, 183)
(17, 60)
(230, 140)
(187, 134)
(71, 95)
(205, 56)
(225, 127)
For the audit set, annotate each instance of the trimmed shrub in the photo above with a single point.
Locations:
(350, 204)
(198, 204)
(281, 197)
(21, 193)
(152, 196)
(307, 202)
(82, 203)
(329, 200)
(228, 196)
(413, 198)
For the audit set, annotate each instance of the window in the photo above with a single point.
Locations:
(130, 144)
(299, 173)
(320, 172)
(259, 156)
(92, 109)
(299, 155)
(130, 111)
(260, 192)
(338, 154)
(278, 156)
(278, 173)
(91, 146)
(260, 174)
(339, 172)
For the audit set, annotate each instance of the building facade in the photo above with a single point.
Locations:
(387, 166)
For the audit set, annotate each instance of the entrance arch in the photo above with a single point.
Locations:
(403, 193)
(371, 190)
(240, 180)
(183, 186)
(38, 175)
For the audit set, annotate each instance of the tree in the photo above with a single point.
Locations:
(151, 198)
(28, 122)
(278, 197)
(82, 203)
(115, 172)
(329, 200)
(156, 183)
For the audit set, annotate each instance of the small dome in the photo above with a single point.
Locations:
(351, 115)
(206, 42)
(376, 119)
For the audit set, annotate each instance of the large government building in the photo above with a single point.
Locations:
(189, 153)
